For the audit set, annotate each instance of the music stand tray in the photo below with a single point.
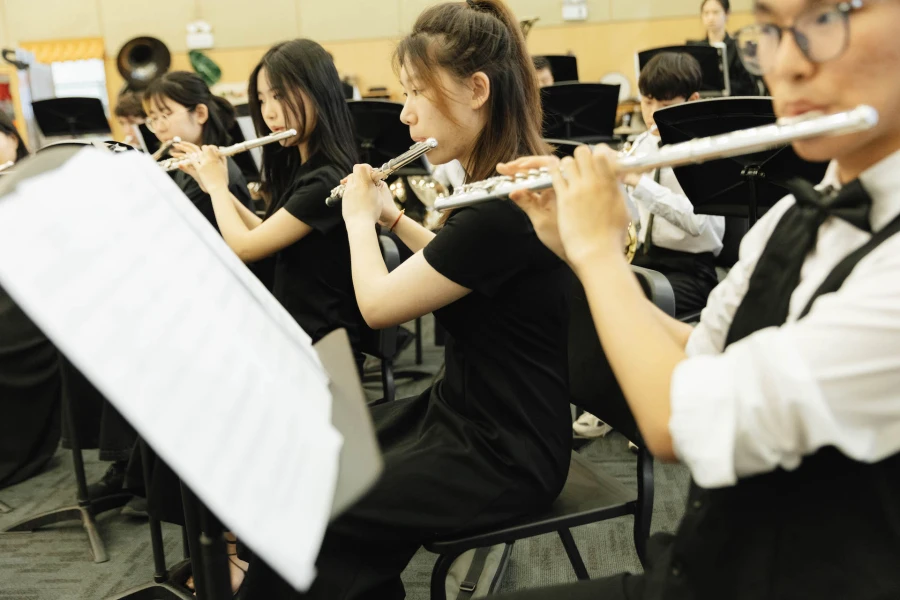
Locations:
(740, 186)
(713, 63)
(563, 66)
(580, 112)
(381, 135)
(70, 117)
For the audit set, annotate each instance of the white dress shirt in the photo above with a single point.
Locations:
(451, 175)
(830, 379)
(675, 225)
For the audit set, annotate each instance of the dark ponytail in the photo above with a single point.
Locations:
(189, 90)
(464, 38)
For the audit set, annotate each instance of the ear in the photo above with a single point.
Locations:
(480, 84)
(694, 96)
(201, 113)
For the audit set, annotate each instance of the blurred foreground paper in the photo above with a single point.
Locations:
(128, 279)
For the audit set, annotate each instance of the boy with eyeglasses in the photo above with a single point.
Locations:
(784, 401)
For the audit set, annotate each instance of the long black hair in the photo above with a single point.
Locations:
(189, 90)
(7, 127)
(292, 67)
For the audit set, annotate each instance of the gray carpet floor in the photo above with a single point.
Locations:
(55, 563)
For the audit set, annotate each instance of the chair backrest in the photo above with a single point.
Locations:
(583, 112)
(735, 228)
(592, 384)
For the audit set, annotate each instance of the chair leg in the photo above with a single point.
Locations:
(643, 511)
(163, 586)
(387, 378)
(439, 575)
(419, 340)
(86, 509)
(574, 555)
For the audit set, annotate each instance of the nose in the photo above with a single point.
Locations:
(407, 116)
(269, 112)
(789, 61)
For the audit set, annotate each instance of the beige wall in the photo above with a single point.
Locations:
(360, 33)
(248, 23)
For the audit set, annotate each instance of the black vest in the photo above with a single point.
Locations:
(829, 530)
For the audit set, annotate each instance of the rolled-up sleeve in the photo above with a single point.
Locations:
(830, 379)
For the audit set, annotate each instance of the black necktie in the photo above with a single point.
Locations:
(777, 272)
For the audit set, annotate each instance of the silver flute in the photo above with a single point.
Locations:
(170, 164)
(735, 143)
(160, 152)
(380, 174)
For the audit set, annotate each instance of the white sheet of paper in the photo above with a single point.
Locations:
(128, 279)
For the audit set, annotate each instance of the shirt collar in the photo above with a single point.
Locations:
(881, 181)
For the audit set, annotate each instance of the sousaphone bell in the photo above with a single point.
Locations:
(141, 60)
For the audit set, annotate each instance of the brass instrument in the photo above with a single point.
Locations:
(170, 164)
(141, 60)
(527, 23)
(744, 141)
(415, 152)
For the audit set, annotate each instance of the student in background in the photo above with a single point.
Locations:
(543, 70)
(714, 14)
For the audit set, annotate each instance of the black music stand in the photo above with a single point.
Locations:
(563, 66)
(580, 112)
(382, 136)
(713, 63)
(70, 116)
(85, 508)
(359, 466)
(740, 186)
(563, 148)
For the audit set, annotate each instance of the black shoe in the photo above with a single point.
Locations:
(136, 508)
(112, 481)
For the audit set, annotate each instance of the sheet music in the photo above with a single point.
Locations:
(128, 279)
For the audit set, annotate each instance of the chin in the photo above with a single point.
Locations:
(436, 157)
(826, 149)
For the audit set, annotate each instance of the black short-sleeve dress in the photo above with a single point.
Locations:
(237, 185)
(489, 442)
(312, 277)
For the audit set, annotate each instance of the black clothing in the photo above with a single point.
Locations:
(312, 280)
(98, 423)
(777, 272)
(488, 443)
(742, 82)
(30, 392)
(312, 277)
(692, 276)
(828, 530)
(237, 185)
